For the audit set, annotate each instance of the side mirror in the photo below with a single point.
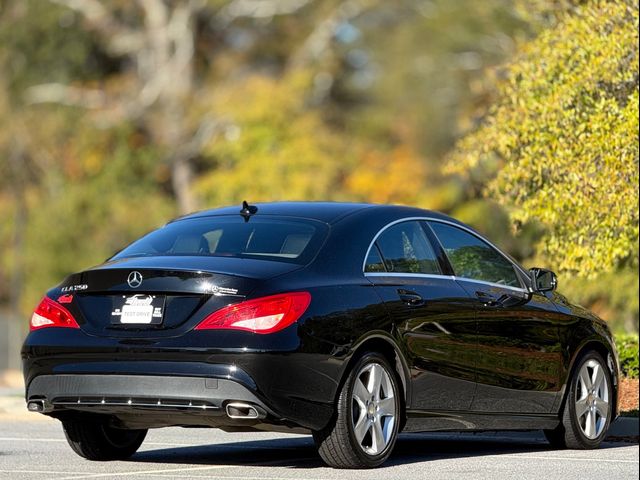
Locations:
(543, 280)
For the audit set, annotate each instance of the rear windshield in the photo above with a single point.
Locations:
(285, 240)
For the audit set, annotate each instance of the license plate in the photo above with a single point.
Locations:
(138, 310)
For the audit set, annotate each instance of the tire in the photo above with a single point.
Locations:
(96, 440)
(587, 410)
(365, 426)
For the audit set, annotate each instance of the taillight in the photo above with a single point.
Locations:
(51, 314)
(262, 315)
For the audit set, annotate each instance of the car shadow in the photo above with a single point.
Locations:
(300, 452)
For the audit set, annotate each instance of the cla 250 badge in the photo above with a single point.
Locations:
(74, 288)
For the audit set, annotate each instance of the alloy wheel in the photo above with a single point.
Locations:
(374, 408)
(592, 399)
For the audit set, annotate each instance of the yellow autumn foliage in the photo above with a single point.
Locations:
(562, 139)
(389, 177)
(274, 146)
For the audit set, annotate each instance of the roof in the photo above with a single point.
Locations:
(328, 212)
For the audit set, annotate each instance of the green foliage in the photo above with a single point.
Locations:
(611, 295)
(627, 346)
(423, 68)
(275, 148)
(41, 40)
(491, 219)
(562, 138)
(73, 229)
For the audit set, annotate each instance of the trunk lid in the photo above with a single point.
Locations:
(151, 297)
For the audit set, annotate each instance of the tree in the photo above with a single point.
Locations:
(277, 147)
(562, 138)
(157, 44)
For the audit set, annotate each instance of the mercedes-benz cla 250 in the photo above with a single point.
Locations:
(350, 322)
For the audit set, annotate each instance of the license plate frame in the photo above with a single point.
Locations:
(137, 310)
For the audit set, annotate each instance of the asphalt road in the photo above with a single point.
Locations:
(37, 450)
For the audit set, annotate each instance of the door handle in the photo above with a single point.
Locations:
(412, 299)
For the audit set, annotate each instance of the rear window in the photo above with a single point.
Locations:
(285, 240)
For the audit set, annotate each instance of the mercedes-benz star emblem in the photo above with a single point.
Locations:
(134, 279)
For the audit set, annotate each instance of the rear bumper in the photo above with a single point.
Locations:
(149, 394)
(123, 393)
(293, 388)
(143, 401)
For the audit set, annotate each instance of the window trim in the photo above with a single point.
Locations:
(421, 226)
(447, 277)
(523, 288)
(411, 275)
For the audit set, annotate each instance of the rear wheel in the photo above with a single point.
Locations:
(587, 410)
(96, 440)
(365, 428)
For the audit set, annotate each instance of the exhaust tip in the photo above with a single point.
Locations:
(242, 411)
(35, 406)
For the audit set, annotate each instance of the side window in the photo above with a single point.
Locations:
(472, 258)
(406, 249)
(374, 261)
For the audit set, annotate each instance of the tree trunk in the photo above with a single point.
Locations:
(181, 177)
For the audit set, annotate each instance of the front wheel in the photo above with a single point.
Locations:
(96, 440)
(588, 408)
(365, 427)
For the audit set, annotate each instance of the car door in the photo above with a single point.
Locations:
(434, 316)
(519, 354)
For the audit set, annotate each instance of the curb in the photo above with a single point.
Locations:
(624, 429)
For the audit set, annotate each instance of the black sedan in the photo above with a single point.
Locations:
(352, 322)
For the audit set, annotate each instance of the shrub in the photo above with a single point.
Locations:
(562, 138)
(627, 345)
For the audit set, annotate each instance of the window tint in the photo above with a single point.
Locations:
(405, 249)
(472, 258)
(374, 261)
(268, 238)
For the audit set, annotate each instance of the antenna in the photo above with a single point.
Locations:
(248, 210)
